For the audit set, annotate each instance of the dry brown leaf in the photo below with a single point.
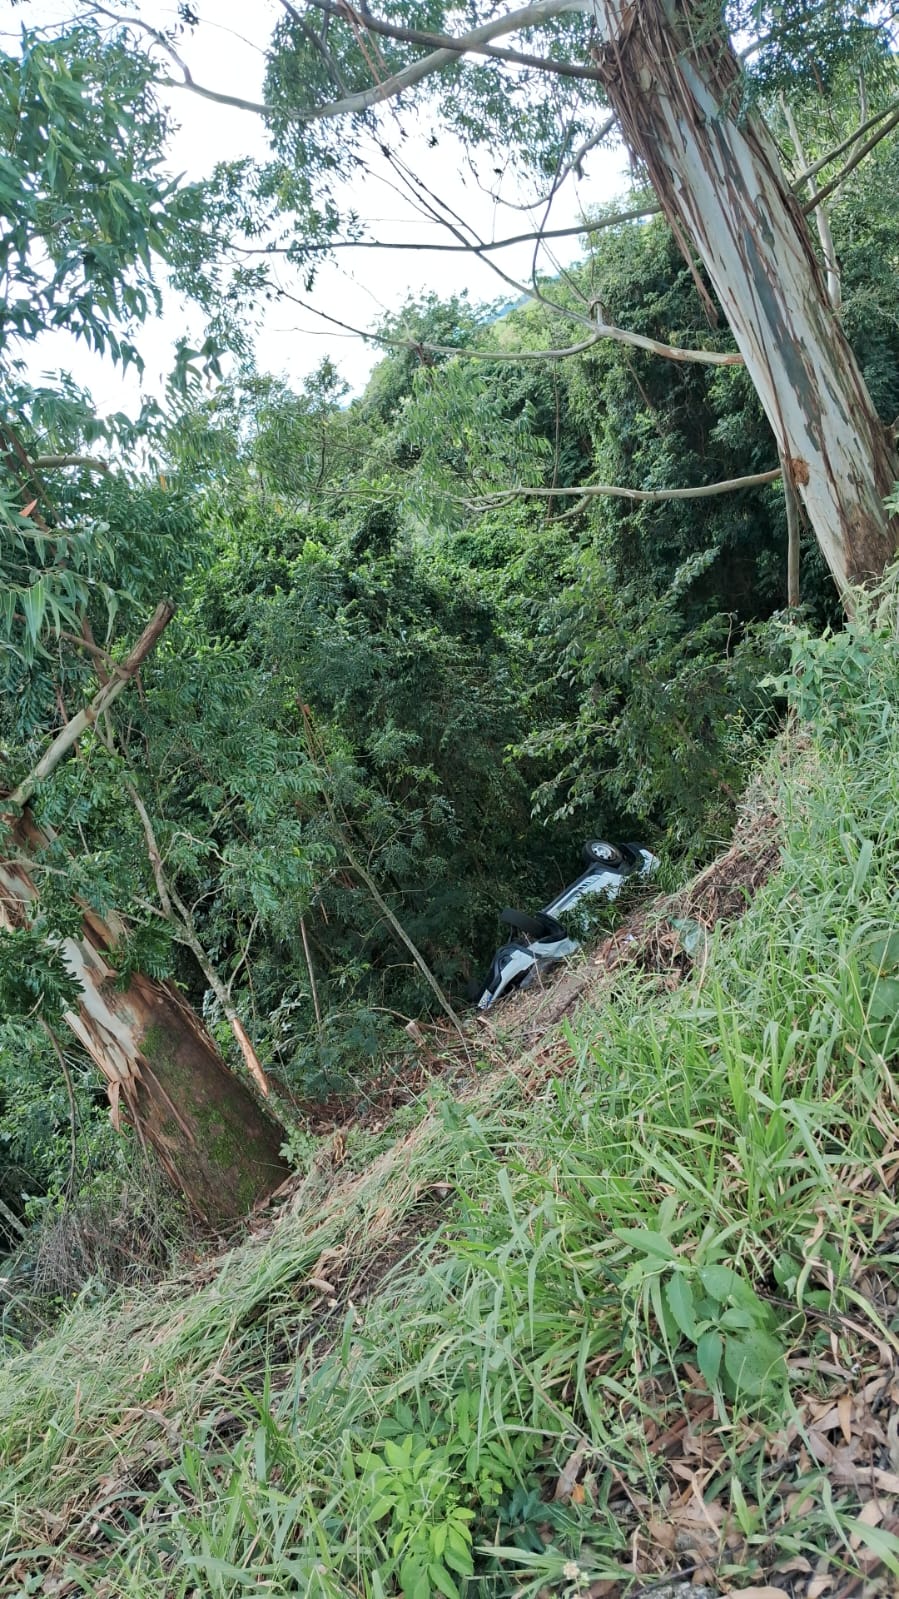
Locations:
(759, 1593)
(662, 1534)
(844, 1411)
(817, 1586)
(887, 1480)
(569, 1474)
(799, 1504)
(794, 1564)
(870, 1515)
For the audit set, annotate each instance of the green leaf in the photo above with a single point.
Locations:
(34, 604)
(720, 1282)
(884, 1544)
(399, 1456)
(649, 1242)
(709, 1350)
(754, 1363)
(442, 1580)
(679, 1295)
(414, 1578)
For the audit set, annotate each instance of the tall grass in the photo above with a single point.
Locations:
(668, 1241)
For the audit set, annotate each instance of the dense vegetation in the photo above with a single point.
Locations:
(409, 654)
(681, 1213)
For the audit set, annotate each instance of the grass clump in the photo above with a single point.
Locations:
(652, 1327)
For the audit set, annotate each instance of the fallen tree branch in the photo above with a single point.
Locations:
(12, 1221)
(176, 912)
(122, 675)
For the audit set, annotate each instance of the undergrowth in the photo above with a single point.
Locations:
(645, 1318)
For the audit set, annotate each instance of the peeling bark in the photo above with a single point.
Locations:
(673, 80)
(162, 1069)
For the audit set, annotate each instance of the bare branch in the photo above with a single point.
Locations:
(604, 330)
(447, 41)
(587, 491)
(105, 662)
(822, 220)
(858, 155)
(466, 44)
(12, 1220)
(791, 499)
(107, 695)
(185, 82)
(671, 352)
(311, 970)
(612, 221)
(845, 144)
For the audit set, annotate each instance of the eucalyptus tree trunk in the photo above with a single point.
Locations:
(163, 1071)
(673, 80)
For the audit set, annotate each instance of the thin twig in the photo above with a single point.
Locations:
(73, 1112)
(309, 967)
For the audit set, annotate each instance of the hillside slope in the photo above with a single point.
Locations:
(617, 1310)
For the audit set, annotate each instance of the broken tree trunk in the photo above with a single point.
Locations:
(672, 78)
(162, 1069)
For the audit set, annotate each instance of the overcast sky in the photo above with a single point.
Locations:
(227, 53)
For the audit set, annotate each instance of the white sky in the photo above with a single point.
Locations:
(227, 53)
